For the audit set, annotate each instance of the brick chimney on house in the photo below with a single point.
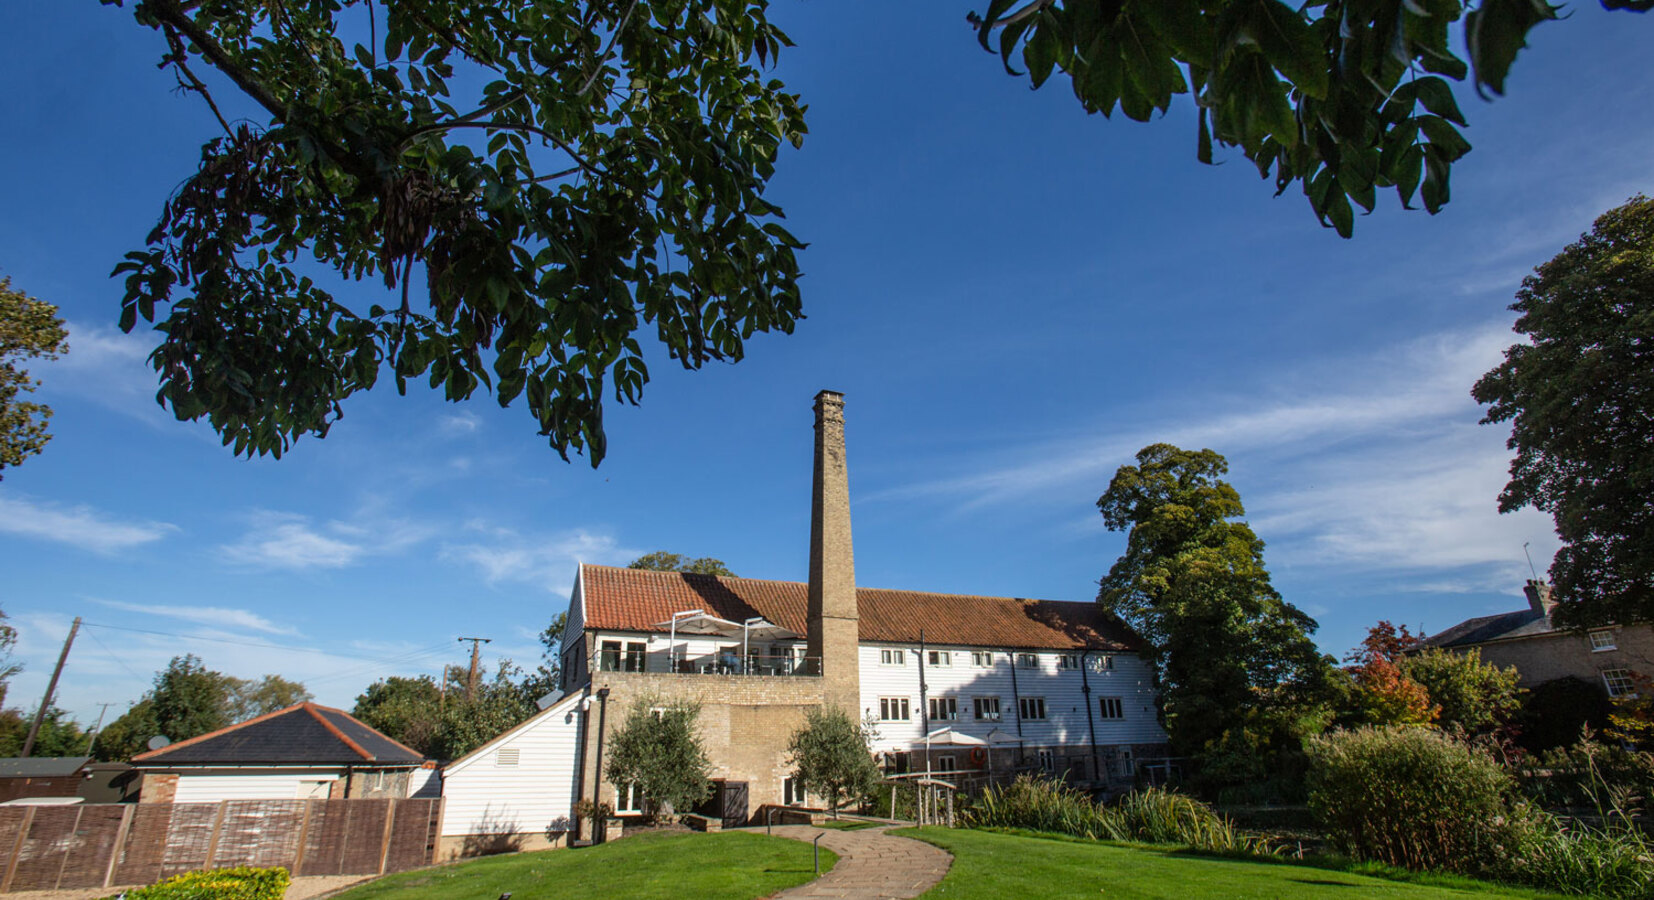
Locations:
(1539, 596)
(833, 634)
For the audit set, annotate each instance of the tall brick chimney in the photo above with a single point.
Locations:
(833, 637)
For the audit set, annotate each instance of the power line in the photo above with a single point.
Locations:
(269, 646)
(112, 655)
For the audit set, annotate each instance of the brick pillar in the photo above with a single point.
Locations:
(833, 637)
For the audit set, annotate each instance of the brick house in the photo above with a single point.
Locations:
(306, 751)
(1541, 652)
(967, 684)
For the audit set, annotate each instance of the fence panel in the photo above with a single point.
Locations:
(87, 863)
(104, 844)
(413, 835)
(259, 833)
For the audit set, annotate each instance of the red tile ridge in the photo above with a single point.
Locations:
(315, 714)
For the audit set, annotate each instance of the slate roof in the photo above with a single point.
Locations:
(636, 600)
(303, 734)
(41, 766)
(1519, 624)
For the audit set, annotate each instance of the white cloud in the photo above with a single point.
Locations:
(545, 560)
(287, 541)
(459, 423)
(280, 540)
(81, 526)
(1363, 465)
(206, 615)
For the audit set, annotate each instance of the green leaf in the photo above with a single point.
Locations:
(1040, 53)
(1495, 32)
(1444, 137)
(1290, 44)
(1179, 24)
(1437, 96)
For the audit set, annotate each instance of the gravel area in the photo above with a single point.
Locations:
(306, 888)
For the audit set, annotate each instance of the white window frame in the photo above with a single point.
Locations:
(978, 708)
(1047, 760)
(1618, 682)
(1027, 660)
(889, 656)
(1068, 660)
(628, 799)
(982, 659)
(890, 705)
(1102, 663)
(1035, 704)
(947, 763)
(792, 791)
(1603, 639)
(1111, 707)
(941, 659)
(944, 709)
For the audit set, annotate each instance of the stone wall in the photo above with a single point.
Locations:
(1564, 654)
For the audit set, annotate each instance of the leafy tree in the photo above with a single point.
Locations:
(443, 724)
(1579, 395)
(406, 709)
(1192, 583)
(551, 659)
(29, 329)
(1384, 695)
(1342, 98)
(59, 734)
(1385, 641)
(189, 699)
(128, 735)
(248, 698)
(1470, 694)
(562, 175)
(656, 748)
(661, 561)
(8, 641)
(833, 756)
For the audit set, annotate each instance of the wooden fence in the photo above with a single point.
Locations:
(105, 844)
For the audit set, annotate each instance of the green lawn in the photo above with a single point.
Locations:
(723, 866)
(996, 865)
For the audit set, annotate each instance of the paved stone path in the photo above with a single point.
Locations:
(871, 865)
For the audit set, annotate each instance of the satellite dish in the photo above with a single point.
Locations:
(159, 741)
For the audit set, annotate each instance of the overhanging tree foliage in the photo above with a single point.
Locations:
(1342, 96)
(1235, 659)
(562, 174)
(1580, 399)
(29, 329)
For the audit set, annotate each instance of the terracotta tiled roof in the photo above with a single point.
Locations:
(305, 733)
(636, 600)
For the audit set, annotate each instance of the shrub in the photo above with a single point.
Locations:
(1612, 861)
(657, 749)
(1154, 815)
(1555, 713)
(242, 883)
(1409, 797)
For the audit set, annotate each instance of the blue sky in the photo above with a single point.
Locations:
(1014, 297)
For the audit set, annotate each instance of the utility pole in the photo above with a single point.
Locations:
(51, 687)
(92, 736)
(476, 652)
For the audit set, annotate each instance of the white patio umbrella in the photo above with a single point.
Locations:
(694, 621)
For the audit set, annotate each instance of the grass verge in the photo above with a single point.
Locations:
(995, 864)
(722, 866)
